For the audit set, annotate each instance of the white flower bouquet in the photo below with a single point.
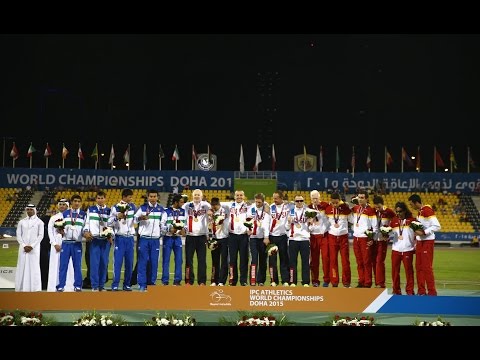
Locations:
(416, 225)
(178, 225)
(171, 320)
(96, 319)
(212, 243)
(123, 207)
(218, 219)
(438, 322)
(385, 230)
(248, 223)
(23, 318)
(107, 232)
(348, 321)
(59, 224)
(369, 234)
(311, 213)
(272, 249)
(257, 321)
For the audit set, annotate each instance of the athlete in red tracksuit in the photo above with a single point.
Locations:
(363, 218)
(425, 246)
(337, 213)
(319, 241)
(380, 245)
(403, 248)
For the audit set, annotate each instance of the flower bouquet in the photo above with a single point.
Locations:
(438, 322)
(96, 319)
(272, 249)
(23, 318)
(348, 321)
(416, 225)
(177, 226)
(108, 233)
(212, 243)
(171, 320)
(369, 234)
(123, 207)
(59, 224)
(385, 230)
(218, 219)
(311, 213)
(248, 223)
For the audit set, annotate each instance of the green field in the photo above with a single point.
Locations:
(455, 268)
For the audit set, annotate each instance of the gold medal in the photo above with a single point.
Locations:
(357, 225)
(337, 225)
(195, 219)
(237, 219)
(400, 237)
(299, 225)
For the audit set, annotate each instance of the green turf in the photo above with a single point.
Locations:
(455, 268)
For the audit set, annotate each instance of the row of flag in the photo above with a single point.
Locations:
(389, 160)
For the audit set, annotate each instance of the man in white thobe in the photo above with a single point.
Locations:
(29, 235)
(55, 247)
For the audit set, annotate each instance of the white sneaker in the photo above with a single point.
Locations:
(306, 285)
(213, 284)
(293, 285)
(220, 284)
(285, 284)
(273, 284)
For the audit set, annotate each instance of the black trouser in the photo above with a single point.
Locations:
(238, 244)
(198, 244)
(282, 244)
(258, 262)
(302, 247)
(220, 262)
(86, 282)
(44, 262)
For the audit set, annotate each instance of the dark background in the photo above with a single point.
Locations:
(225, 90)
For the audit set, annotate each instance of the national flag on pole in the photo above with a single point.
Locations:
(389, 159)
(48, 151)
(14, 152)
(64, 152)
(337, 159)
(176, 154)
(369, 159)
(353, 159)
(161, 154)
(258, 159)
(304, 158)
(242, 160)
(80, 152)
(112, 156)
(419, 163)
(274, 159)
(144, 155)
(321, 158)
(31, 150)
(194, 153)
(95, 152)
(452, 159)
(406, 158)
(126, 156)
(470, 160)
(438, 159)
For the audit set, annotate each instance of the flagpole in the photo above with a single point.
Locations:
(31, 158)
(193, 151)
(337, 159)
(78, 155)
(468, 159)
(46, 162)
(144, 155)
(385, 159)
(434, 159)
(451, 162)
(321, 158)
(96, 160)
(353, 161)
(401, 157)
(160, 157)
(370, 164)
(128, 166)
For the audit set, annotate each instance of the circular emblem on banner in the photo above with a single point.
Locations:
(204, 163)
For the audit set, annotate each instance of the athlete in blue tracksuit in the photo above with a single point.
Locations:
(148, 217)
(121, 220)
(172, 240)
(72, 244)
(97, 219)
